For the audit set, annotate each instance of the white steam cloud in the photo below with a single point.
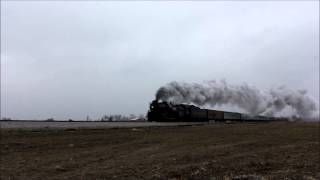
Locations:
(275, 102)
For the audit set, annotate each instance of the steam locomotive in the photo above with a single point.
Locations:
(169, 112)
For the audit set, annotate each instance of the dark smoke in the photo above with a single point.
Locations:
(275, 102)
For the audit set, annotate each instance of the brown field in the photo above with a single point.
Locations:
(216, 151)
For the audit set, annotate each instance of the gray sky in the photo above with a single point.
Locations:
(73, 59)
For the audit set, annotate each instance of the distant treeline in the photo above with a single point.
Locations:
(5, 119)
(119, 117)
(112, 117)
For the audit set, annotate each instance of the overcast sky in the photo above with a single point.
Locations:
(73, 59)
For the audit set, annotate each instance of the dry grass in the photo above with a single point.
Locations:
(217, 151)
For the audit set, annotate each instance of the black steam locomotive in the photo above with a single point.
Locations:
(169, 112)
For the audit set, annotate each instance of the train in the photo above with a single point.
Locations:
(162, 111)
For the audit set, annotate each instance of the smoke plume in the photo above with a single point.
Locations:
(275, 102)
